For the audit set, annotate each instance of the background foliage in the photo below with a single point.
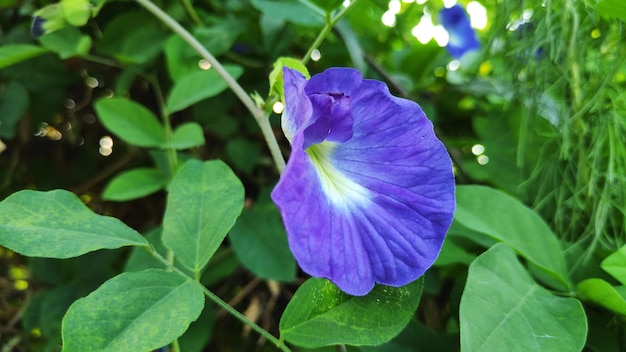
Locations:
(114, 107)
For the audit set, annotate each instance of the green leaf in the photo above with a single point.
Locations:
(612, 9)
(260, 242)
(198, 86)
(199, 332)
(503, 309)
(276, 76)
(77, 12)
(48, 306)
(140, 45)
(53, 16)
(417, 337)
(222, 266)
(327, 5)
(57, 224)
(131, 122)
(320, 314)
(505, 219)
(452, 253)
(603, 294)
(14, 102)
(217, 38)
(185, 136)
(296, 12)
(615, 264)
(244, 153)
(140, 259)
(133, 184)
(67, 42)
(139, 311)
(204, 201)
(11, 54)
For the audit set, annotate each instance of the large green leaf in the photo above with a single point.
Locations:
(57, 224)
(602, 293)
(139, 311)
(197, 86)
(505, 219)
(260, 241)
(204, 201)
(133, 184)
(503, 309)
(11, 54)
(130, 121)
(320, 314)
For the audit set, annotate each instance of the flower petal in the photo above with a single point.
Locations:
(374, 207)
(299, 110)
(462, 37)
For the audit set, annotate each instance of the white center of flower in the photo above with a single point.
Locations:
(340, 190)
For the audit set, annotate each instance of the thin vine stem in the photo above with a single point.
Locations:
(330, 23)
(259, 115)
(171, 155)
(191, 12)
(220, 302)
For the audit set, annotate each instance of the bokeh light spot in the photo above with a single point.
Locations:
(204, 64)
(278, 107)
(478, 149)
(482, 159)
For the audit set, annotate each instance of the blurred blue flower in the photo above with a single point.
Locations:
(368, 193)
(462, 37)
(36, 27)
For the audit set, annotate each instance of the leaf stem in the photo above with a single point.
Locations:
(261, 118)
(245, 320)
(171, 155)
(191, 12)
(221, 302)
(330, 23)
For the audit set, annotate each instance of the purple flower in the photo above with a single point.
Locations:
(462, 37)
(368, 193)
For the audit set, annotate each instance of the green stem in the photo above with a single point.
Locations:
(330, 23)
(245, 320)
(101, 60)
(170, 153)
(175, 346)
(172, 161)
(572, 51)
(221, 302)
(261, 118)
(191, 12)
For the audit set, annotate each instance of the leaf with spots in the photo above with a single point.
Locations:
(56, 224)
(320, 314)
(139, 311)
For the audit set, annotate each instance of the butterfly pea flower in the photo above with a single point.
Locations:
(462, 37)
(36, 27)
(367, 195)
